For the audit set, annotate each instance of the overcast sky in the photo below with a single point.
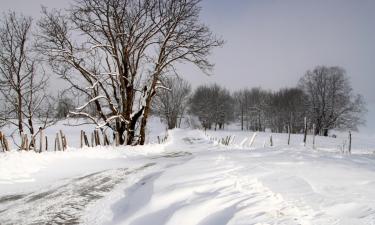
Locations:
(271, 43)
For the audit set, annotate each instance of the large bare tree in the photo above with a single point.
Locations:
(331, 100)
(115, 52)
(22, 80)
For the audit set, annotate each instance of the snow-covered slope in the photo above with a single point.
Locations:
(191, 180)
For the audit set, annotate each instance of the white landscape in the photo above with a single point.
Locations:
(193, 179)
(187, 112)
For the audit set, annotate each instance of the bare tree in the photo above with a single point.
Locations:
(64, 105)
(22, 80)
(116, 51)
(251, 106)
(170, 103)
(213, 105)
(331, 101)
(240, 98)
(200, 106)
(285, 108)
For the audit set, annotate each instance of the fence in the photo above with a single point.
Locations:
(39, 142)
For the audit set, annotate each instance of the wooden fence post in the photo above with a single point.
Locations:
(1, 142)
(65, 142)
(27, 144)
(22, 147)
(5, 143)
(81, 138)
(105, 139)
(62, 140)
(58, 141)
(92, 139)
(46, 143)
(86, 139)
(350, 142)
(117, 138)
(305, 132)
(40, 140)
(98, 136)
(95, 140)
(271, 141)
(32, 142)
(252, 140)
(313, 136)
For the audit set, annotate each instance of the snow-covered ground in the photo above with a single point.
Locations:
(192, 179)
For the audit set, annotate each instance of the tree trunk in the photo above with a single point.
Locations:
(172, 122)
(120, 128)
(142, 132)
(130, 140)
(19, 113)
(31, 127)
(305, 131)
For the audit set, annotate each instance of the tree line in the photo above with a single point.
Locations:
(323, 96)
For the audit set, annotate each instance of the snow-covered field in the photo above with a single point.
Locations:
(192, 179)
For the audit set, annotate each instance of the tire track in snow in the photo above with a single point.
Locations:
(64, 203)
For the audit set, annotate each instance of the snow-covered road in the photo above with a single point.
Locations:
(61, 203)
(193, 181)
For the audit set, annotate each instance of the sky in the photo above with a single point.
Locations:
(272, 43)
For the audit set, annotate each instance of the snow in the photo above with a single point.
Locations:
(193, 179)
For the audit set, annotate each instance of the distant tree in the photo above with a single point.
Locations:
(285, 109)
(200, 106)
(331, 102)
(241, 104)
(213, 105)
(170, 102)
(251, 106)
(22, 80)
(64, 106)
